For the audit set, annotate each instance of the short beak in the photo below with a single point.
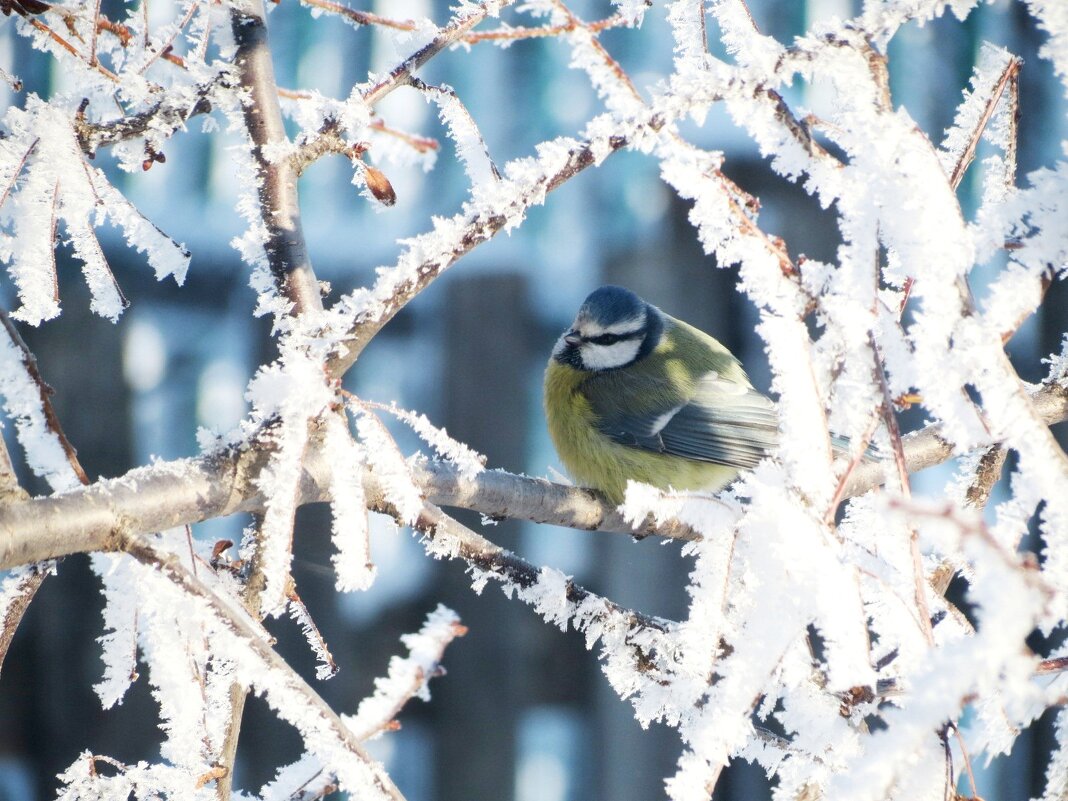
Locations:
(572, 338)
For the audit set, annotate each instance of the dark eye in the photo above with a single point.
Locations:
(606, 339)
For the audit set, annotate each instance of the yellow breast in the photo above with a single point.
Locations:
(594, 460)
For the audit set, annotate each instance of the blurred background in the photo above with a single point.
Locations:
(523, 712)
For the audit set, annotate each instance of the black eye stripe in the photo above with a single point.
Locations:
(611, 339)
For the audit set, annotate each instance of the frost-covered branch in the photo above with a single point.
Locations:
(450, 34)
(295, 700)
(436, 251)
(170, 113)
(170, 494)
(287, 255)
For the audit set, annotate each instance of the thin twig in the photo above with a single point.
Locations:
(18, 170)
(450, 34)
(923, 611)
(45, 392)
(361, 17)
(509, 34)
(36, 23)
(1010, 72)
(164, 49)
(93, 33)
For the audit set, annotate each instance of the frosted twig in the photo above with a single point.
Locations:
(448, 35)
(63, 43)
(328, 140)
(476, 226)
(167, 114)
(360, 17)
(327, 667)
(510, 34)
(923, 611)
(279, 205)
(468, 462)
(461, 126)
(408, 676)
(448, 538)
(93, 33)
(1008, 77)
(16, 600)
(29, 361)
(18, 170)
(164, 48)
(281, 678)
(839, 491)
(595, 44)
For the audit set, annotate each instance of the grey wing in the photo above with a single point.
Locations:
(725, 422)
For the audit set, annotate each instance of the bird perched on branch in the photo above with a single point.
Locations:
(631, 393)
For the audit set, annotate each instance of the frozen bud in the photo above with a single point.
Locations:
(380, 186)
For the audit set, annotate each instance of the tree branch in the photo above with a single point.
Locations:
(393, 293)
(169, 113)
(169, 494)
(279, 204)
(448, 35)
(293, 685)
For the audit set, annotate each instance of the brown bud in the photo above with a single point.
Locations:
(379, 185)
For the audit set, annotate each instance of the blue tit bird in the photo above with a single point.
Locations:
(631, 393)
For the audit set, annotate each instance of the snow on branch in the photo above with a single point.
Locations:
(409, 677)
(804, 619)
(221, 483)
(525, 184)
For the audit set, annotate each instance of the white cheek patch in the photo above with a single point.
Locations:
(609, 357)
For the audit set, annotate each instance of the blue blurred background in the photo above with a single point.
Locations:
(523, 712)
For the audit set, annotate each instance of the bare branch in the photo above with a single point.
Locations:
(279, 204)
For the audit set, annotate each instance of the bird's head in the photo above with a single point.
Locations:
(613, 329)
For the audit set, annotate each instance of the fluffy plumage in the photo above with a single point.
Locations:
(634, 394)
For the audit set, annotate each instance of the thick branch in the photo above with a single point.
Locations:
(170, 494)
